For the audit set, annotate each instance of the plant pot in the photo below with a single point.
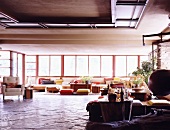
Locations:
(87, 81)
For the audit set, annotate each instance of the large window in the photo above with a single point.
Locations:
(88, 65)
(55, 65)
(14, 64)
(143, 58)
(82, 66)
(20, 67)
(69, 66)
(106, 66)
(132, 64)
(30, 65)
(120, 66)
(125, 65)
(94, 65)
(5, 63)
(44, 66)
(49, 66)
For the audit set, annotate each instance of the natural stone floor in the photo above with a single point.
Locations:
(45, 111)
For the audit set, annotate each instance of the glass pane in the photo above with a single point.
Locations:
(82, 66)
(5, 54)
(30, 73)
(106, 66)
(120, 66)
(94, 65)
(55, 66)
(5, 71)
(30, 58)
(14, 56)
(143, 58)
(132, 64)
(30, 66)
(20, 65)
(69, 65)
(43, 65)
(4, 63)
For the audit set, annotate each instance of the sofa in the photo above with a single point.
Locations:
(41, 83)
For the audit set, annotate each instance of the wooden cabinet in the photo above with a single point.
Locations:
(76, 86)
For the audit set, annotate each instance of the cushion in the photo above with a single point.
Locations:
(117, 79)
(109, 82)
(108, 79)
(158, 102)
(59, 81)
(68, 80)
(13, 89)
(11, 85)
(10, 79)
(66, 91)
(101, 80)
(65, 83)
(47, 82)
(83, 91)
(41, 79)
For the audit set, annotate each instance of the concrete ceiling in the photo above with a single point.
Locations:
(106, 41)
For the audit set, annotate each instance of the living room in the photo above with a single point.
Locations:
(67, 40)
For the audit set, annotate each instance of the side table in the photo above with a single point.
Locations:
(28, 94)
(95, 89)
(142, 96)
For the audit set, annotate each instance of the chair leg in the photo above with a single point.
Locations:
(3, 97)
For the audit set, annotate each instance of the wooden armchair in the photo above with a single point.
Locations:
(10, 87)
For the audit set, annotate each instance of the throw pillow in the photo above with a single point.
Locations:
(59, 81)
(41, 79)
(11, 85)
(47, 82)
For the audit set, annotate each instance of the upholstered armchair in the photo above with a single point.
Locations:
(11, 87)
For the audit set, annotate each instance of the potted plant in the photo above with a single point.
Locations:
(145, 71)
(137, 81)
(86, 79)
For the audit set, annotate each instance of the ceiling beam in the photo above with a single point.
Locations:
(78, 42)
(85, 37)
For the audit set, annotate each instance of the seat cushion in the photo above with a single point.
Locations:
(13, 89)
(83, 91)
(66, 91)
